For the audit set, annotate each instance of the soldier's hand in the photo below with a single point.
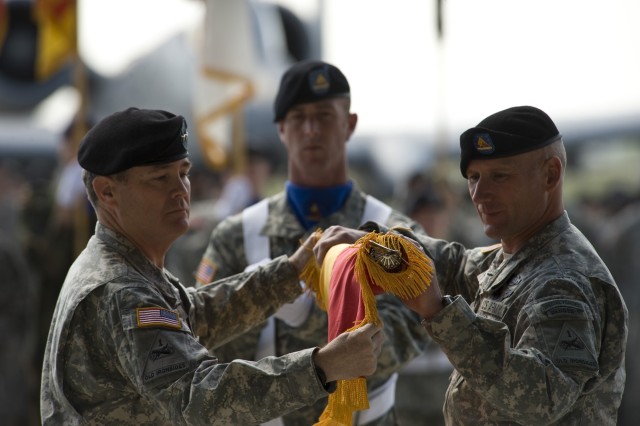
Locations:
(305, 251)
(428, 303)
(351, 354)
(332, 236)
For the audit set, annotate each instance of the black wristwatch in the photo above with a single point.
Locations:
(446, 301)
(328, 386)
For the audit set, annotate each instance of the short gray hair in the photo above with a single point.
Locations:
(88, 178)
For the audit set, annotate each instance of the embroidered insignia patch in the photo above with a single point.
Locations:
(161, 350)
(511, 286)
(571, 350)
(314, 213)
(319, 81)
(154, 317)
(568, 309)
(163, 360)
(206, 271)
(484, 144)
(184, 135)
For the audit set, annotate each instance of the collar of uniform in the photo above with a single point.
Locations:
(552, 230)
(284, 222)
(311, 204)
(532, 247)
(113, 239)
(281, 221)
(120, 244)
(350, 215)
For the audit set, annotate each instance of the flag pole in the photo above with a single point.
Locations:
(81, 217)
(238, 142)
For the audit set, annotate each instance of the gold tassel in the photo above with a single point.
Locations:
(350, 396)
(389, 261)
(310, 275)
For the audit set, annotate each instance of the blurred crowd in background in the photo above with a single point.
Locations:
(45, 218)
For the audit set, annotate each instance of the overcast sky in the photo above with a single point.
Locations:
(572, 58)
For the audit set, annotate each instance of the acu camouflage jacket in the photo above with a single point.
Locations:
(127, 345)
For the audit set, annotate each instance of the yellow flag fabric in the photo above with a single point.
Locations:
(376, 263)
(57, 35)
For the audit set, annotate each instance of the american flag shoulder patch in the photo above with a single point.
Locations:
(206, 271)
(157, 317)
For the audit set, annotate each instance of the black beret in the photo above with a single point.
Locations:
(309, 81)
(134, 137)
(506, 133)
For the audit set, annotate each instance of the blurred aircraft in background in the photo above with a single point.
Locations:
(202, 78)
(180, 75)
(163, 78)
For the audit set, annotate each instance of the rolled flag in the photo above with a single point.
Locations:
(346, 285)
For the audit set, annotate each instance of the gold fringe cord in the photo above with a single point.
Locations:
(392, 263)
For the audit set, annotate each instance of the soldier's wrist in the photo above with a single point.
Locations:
(445, 301)
(328, 386)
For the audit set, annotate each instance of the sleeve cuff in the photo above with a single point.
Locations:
(458, 312)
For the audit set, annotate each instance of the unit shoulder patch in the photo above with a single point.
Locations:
(163, 360)
(571, 351)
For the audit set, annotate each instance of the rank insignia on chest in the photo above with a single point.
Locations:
(314, 214)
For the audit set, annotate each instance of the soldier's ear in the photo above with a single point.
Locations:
(104, 187)
(553, 172)
(353, 121)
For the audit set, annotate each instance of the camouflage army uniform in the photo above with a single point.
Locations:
(543, 339)
(405, 336)
(18, 311)
(622, 251)
(106, 363)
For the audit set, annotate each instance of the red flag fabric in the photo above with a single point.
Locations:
(346, 307)
(346, 285)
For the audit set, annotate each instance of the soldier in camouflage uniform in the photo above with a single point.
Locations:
(18, 311)
(535, 326)
(314, 123)
(127, 341)
(622, 248)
